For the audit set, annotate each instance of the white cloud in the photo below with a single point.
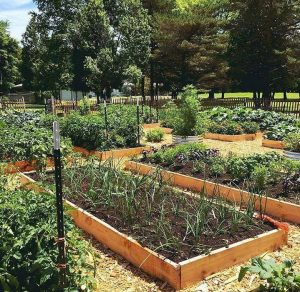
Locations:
(16, 12)
(18, 20)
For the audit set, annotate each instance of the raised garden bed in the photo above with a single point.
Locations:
(272, 144)
(276, 208)
(117, 153)
(230, 138)
(24, 166)
(180, 273)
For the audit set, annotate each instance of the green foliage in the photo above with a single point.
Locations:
(155, 135)
(278, 276)
(10, 59)
(281, 131)
(185, 123)
(250, 127)
(29, 143)
(226, 128)
(169, 155)
(85, 106)
(90, 131)
(259, 177)
(28, 253)
(292, 142)
(169, 115)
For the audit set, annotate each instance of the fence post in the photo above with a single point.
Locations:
(60, 208)
(138, 122)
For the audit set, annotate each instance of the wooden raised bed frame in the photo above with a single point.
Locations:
(230, 138)
(280, 209)
(178, 275)
(273, 144)
(115, 154)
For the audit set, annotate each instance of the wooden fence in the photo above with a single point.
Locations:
(278, 105)
(65, 107)
(16, 104)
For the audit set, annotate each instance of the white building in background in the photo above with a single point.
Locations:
(71, 95)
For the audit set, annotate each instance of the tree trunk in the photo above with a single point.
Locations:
(143, 89)
(223, 94)
(285, 95)
(211, 94)
(98, 98)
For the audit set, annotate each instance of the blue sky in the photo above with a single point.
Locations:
(16, 12)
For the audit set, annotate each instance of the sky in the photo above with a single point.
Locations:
(16, 12)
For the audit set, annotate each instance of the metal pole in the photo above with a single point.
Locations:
(60, 209)
(138, 122)
(106, 119)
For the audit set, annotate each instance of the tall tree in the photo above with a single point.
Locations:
(10, 55)
(264, 45)
(115, 35)
(191, 48)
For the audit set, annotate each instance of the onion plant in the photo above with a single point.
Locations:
(176, 224)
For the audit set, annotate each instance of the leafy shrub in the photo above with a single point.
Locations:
(28, 253)
(155, 135)
(90, 131)
(280, 132)
(259, 177)
(185, 123)
(169, 115)
(30, 144)
(168, 155)
(250, 127)
(292, 142)
(85, 106)
(226, 128)
(241, 168)
(19, 119)
(278, 277)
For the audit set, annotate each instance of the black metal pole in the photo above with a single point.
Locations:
(45, 103)
(106, 119)
(138, 122)
(62, 263)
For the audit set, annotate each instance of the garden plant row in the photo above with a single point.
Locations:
(271, 178)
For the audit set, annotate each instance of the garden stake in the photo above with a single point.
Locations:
(59, 205)
(105, 118)
(138, 120)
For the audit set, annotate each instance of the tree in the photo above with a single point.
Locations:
(191, 48)
(10, 55)
(264, 44)
(115, 35)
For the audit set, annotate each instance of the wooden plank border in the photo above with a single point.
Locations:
(279, 209)
(117, 153)
(273, 144)
(178, 275)
(230, 138)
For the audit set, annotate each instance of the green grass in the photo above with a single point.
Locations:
(278, 95)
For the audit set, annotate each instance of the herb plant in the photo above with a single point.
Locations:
(278, 277)
(155, 135)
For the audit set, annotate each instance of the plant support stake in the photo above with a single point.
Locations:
(138, 121)
(105, 119)
(60, 209)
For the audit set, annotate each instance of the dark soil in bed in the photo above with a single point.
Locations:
(274, 191)
(144, 231)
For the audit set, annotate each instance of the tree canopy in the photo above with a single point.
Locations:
(10, 54)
